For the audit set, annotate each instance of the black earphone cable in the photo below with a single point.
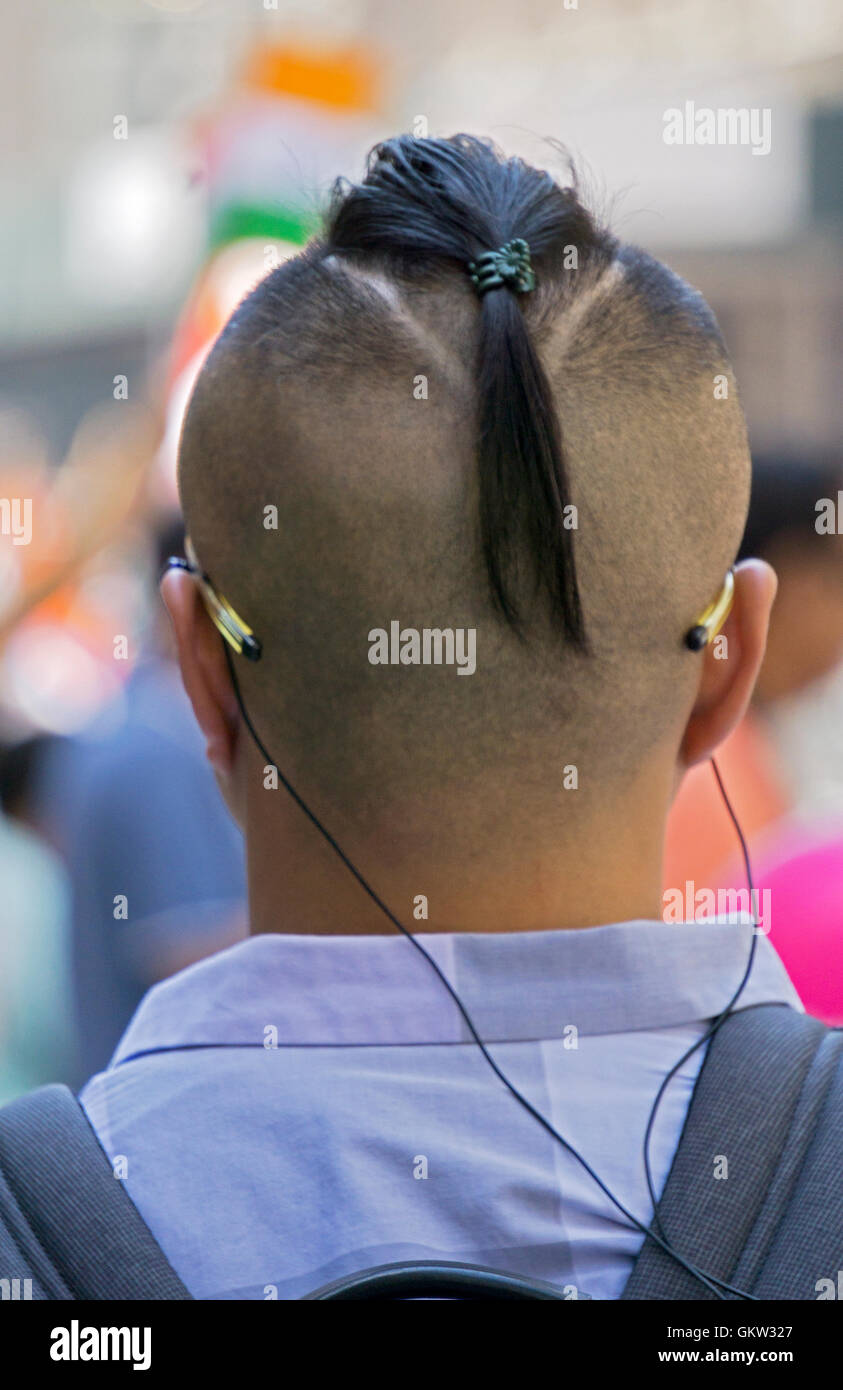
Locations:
(710, 1281)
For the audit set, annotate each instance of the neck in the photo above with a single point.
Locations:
(582, 874)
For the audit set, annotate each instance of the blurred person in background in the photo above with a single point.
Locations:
(156, 865)
(801, 865)
(36, 1030)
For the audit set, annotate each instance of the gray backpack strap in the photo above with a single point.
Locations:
(768, 1101)
(66, 1223)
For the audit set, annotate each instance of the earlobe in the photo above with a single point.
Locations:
(204, 670)
(730, 664)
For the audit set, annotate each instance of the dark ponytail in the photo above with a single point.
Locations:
(429, 203)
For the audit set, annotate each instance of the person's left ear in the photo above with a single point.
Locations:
(204, 671)
(730, 668)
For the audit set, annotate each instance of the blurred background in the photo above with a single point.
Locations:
(156, 158)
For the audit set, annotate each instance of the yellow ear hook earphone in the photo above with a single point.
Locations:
(710, 622)
(236, 632)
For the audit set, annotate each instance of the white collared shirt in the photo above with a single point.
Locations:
(297, 1108)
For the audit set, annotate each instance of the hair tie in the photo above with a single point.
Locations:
(509, 265)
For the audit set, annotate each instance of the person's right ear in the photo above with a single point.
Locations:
(204, 672)
(730, 668)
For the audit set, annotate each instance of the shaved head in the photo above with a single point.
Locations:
(351, 392)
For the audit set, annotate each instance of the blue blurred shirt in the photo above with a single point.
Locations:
(297, 1108)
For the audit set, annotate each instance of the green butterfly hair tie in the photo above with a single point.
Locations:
(509, 265)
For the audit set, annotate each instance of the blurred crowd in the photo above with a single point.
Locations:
(121, 866)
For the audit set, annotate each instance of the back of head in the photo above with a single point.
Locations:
(563, 471)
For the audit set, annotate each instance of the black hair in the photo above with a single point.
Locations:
(435, 204)
(785, 490)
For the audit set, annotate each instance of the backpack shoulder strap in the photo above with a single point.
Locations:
(755, 1192)
(66, 1223)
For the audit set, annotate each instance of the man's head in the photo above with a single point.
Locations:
(565, 471)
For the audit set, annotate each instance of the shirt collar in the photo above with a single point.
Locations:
(378, 990)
